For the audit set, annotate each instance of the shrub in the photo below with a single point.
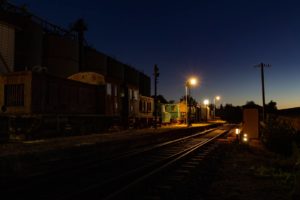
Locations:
(278, 136)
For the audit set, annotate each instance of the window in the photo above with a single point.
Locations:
(149, 107)
(144, 106)
(173, 108)
(14, 95)
(108, 89)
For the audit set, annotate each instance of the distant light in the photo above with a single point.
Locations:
(206, 102)
(192, 81)
(218, 98)
(245, 137)
(237, 131)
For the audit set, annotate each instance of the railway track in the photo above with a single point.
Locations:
(126, 173)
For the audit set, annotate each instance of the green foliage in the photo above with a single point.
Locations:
(278, 136)
(284, 177)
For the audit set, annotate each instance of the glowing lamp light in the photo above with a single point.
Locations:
(218, 98)
(206, 102)
(193, 81)
(188, 84)
(245, 137)
(237, 131)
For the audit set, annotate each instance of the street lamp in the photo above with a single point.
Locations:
(216, 98)
(237, 132)
(190, 82)
(206, 102)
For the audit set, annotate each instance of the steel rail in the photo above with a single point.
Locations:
(141, 169)
(175, 158)
(38, 178)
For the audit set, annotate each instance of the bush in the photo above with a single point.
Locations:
(278, 136)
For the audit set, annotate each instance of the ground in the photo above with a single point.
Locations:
(242, 171)
(252, 172)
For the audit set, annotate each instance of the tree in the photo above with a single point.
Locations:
(221, 107)
(252, 104)
(271, 107)
(161, 99)
(190, 99)
(231, 113)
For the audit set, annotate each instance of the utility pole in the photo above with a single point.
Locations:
(156, 75)
(262, 65)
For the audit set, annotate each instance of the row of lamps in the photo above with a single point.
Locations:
(188, 84)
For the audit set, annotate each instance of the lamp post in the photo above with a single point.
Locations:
(237, 132)
(216, 98)
(190, 82)
(206, 102)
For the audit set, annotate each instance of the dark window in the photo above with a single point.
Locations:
(14, 95)
(149, 107)
(144, 106)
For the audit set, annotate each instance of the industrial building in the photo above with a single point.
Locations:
(29, 43)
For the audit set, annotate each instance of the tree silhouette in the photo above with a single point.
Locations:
(161, 98)
(190, 100)
(171, 102)
(252, 104)
(231, 113)
(271, 107)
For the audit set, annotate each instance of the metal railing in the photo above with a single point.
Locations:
(46, 26)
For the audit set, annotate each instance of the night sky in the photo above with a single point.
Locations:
(219, 41)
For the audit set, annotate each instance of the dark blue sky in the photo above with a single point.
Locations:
(218, 41)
